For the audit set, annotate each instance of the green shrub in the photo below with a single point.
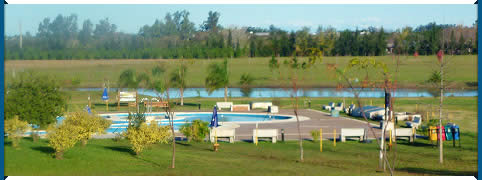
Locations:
(35, 99)
(62, 138)
(145, 135)
(197, 130)
(315, 134)
(15, 129)
(87, 124)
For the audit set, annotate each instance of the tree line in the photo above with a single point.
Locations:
(176, 36)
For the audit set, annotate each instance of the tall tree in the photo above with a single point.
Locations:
(178, 80)
(218, 77)
(211, 24)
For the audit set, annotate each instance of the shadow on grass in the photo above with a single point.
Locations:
(183, 143)
(416, 144)
(9, 143)
(123, 149)
(44, 149)
(437, 172)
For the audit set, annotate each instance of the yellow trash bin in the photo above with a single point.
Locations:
(432, 133)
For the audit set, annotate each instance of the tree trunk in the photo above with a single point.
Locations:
(182, 96)
(59, 155)
(225, 93)
(173, 163)
(295, 90)
(440, 115)
(84, 142)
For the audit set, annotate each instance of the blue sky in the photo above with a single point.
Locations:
(129, 18)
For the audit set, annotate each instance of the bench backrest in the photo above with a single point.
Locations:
(222, 132)
(266, 132)
(352, 131)
(404, 132)
(224, 104)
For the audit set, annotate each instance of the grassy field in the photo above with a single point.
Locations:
(461, 72)
(108, 157)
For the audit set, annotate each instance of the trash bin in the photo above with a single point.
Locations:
(432, 133)
(448, 132)
(443, 133)
(335, 113)
(456, 131)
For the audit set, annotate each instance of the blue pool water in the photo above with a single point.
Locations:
(120, 121)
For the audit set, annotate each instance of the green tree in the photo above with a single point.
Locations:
(35, 99)
(218, 77)
(245, 81)
(178, 80)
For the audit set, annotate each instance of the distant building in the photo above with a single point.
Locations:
(261, 33)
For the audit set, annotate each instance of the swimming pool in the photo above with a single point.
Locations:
(120, 120)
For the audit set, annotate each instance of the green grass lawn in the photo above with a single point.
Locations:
(461, 71)
(108, 157)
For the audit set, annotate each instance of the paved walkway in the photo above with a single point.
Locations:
(317, 120)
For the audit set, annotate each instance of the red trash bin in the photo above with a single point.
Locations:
(443, 133)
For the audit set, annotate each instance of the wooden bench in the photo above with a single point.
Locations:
(405, 132)
(156, 104)
(352, 132)
(265, 133)
(226, 105)
(240, 107)
(223, 133)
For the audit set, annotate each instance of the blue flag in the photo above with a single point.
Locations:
(214, 118)
(105, 95)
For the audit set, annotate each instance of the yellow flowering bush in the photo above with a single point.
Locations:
(87, 124)
(62, 138)
(15, 128)
(145, 135)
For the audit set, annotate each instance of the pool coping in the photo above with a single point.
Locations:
(291, 119)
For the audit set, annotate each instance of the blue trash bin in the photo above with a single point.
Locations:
(457, 132)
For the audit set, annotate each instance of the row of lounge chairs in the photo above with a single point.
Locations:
(374, 112)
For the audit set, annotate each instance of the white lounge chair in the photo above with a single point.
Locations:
(330, 106)
(349, 109)
(339, 107)
(417, 120)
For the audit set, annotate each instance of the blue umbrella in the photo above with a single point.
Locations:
(214, 119)
(105, 95)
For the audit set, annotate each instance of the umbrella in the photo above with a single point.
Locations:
(214, 119)
(105, 95)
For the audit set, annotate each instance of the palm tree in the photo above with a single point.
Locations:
(178, 80)
(218, 77)
(245, 81)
